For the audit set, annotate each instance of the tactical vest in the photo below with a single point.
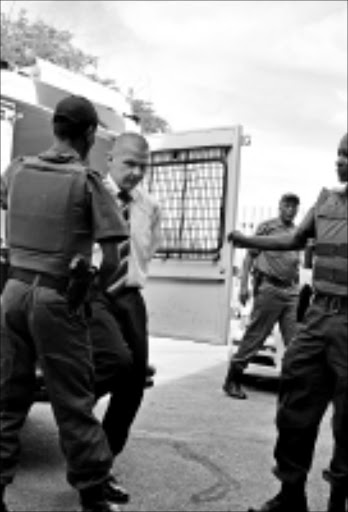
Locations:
(330, 275)
(48, 217)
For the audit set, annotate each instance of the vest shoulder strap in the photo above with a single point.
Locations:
(323, 196)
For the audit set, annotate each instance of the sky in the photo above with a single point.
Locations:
(278, 68)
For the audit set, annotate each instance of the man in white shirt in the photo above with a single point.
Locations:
(119, 317)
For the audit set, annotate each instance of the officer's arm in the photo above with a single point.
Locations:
(296, 240)
(247, 265)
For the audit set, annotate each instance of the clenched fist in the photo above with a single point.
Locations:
(237, 238)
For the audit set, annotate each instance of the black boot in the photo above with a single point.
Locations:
(94, 499)
(291, 498)
(338, 501)
(115, 492)
(232, 385)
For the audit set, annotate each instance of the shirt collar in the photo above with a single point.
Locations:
(116, 189)
(60, 154)
(281, 224)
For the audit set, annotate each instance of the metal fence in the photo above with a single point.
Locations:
(190, 185)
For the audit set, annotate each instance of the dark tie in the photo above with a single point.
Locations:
(124, 200)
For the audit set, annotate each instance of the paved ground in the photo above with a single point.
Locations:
(191, 449)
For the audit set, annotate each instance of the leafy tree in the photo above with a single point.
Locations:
(150, 122)
(22, 40)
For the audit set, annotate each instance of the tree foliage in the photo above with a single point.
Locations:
(150, 122)
(22, 40)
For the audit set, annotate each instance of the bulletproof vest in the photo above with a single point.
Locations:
(48, 218)
(330, 258)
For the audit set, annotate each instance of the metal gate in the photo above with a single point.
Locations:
(195, 177)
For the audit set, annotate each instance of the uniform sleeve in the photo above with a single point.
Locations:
(263, 229)
(106, 217)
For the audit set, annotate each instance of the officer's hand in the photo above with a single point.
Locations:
(244, 295)
(236, 237)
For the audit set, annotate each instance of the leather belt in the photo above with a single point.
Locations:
(47, 281)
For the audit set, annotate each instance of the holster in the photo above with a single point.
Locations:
(80, 282)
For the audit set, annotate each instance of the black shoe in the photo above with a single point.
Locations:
(113, 491)
(338, 501)
(94, 499)
(3, 507)
(235, 390)
(100, 506)
(150, 371)
(149, 382)
(283, 502)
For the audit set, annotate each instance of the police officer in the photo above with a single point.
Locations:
(275, 294)
(57, 206)
(315, 366)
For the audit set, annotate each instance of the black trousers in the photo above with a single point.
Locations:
(314, 375)
(119, 333)
(36, 325)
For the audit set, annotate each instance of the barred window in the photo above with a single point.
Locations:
(190, 184)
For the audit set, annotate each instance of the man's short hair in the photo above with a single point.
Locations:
(126, 138)
(73, 116)
(290, 197)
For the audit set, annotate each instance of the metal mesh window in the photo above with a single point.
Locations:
(190, 186)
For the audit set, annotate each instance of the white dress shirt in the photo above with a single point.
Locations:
(145, 232)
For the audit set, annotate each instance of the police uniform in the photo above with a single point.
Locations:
(56, 207)
(315, 366)
(275, 299)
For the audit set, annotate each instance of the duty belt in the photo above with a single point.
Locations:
(332, 302)
(331, 250)
(47, 281)
(333, 275)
